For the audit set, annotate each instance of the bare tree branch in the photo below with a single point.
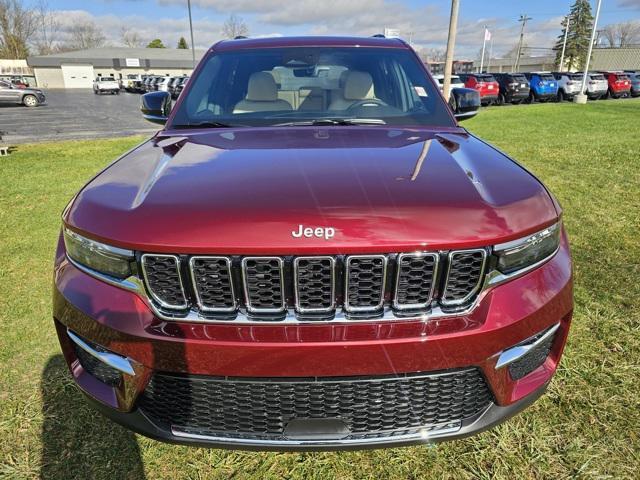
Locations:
(234, 27)
(17, 28)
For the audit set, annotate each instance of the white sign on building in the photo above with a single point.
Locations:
(132, 62)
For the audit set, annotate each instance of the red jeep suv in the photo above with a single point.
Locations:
(312, 254)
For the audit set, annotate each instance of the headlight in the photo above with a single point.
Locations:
(97, 256)
(524, 252)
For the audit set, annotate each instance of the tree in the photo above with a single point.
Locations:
(17, 27)
(234, 27)
(48, 29)
(182, 44)
(580, 25)
(85, 34)
(622, 34)
(156, 43)
(130, 39)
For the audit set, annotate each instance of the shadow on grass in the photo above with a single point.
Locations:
(78, 442)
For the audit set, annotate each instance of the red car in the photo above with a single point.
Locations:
(619, 84)
(312, 254)
(485, 83)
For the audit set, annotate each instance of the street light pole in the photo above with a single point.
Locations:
(582, 97)
(564, 43)
(484, 45)
(451, 41)
(193, 47)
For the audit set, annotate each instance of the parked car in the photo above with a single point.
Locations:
(597, 86)
(132, 82)
(634, 78)
(543, 87)
(514, 88)
(29, 97)
(484, 83)
(265, 274)
(153, 86)
(619, 84)
(106, 85)
(456, 82)
(178, 89)
(163, 84)
(569, 84)
(174, 84)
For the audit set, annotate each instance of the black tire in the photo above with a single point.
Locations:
(500, 101)
(30, 101)
(117, 92)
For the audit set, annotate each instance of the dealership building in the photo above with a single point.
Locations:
(79, 68)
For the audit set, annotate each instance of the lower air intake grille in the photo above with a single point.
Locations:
(262, 408)
(96, 368)
(365, 282)
(162, 274)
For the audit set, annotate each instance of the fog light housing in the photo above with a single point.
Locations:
(524, 358)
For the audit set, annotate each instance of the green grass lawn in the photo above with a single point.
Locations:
(587, 425)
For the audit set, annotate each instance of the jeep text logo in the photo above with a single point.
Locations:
(320, 232)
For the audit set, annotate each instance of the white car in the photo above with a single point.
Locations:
(163, 84)
(106, 85)
(569, 84)
(597, 86)
(455, 82)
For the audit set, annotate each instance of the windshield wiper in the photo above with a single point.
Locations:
(207, 124)
(332, 121)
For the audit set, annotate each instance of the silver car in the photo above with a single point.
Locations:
(455, 82)
(29, 97)
(569, 84)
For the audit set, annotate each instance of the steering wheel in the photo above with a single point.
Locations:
(369, 102)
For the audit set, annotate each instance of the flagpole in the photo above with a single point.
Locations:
(484, 44)
(490, 53)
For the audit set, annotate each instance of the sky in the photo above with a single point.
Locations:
(424, 23)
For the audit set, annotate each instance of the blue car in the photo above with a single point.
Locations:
(543, 85)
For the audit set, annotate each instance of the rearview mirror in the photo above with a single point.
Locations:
(465, 103)
(156, 107)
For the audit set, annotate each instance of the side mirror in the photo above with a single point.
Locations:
(156, 107)
(465, 103)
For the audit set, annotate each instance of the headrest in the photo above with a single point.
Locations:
(262, 88)
(358, 86)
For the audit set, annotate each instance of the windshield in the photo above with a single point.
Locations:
(303, 85)
(547, 77)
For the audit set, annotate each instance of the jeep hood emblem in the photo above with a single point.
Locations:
(320, 232)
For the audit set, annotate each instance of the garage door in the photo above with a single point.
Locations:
(77, 76)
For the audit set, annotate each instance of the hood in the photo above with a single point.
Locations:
(248, 190)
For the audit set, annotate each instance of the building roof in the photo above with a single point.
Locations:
(110, 57)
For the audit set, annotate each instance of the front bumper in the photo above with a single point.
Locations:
(120, 321)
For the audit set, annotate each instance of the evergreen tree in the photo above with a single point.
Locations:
(580, 25)
(182, 44)
(156, 43)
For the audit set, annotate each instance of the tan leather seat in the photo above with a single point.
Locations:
(262, 96)
(357, 86)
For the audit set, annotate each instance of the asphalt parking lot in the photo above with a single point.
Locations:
(74, 114)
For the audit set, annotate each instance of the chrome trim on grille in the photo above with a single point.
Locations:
(162, 303)
(333, 285)
(476, 289)
(122, 364)
(246, 286)
(194, 282)
(436, 266)
(513, 354)
(347, 263)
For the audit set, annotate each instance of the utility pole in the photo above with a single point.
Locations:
(484, 45)
(564, 43)
(581, 97)
(451, 42)
(523, 19)
(193, 47)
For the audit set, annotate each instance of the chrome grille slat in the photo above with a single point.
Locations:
(164, 281)
(314, 284)
(212, 283)
(263, 279)
(415, 280)
(365, 281)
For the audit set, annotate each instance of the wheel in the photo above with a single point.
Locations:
(500, 100)
(30, 101)
(95, 92)
(117, 92)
